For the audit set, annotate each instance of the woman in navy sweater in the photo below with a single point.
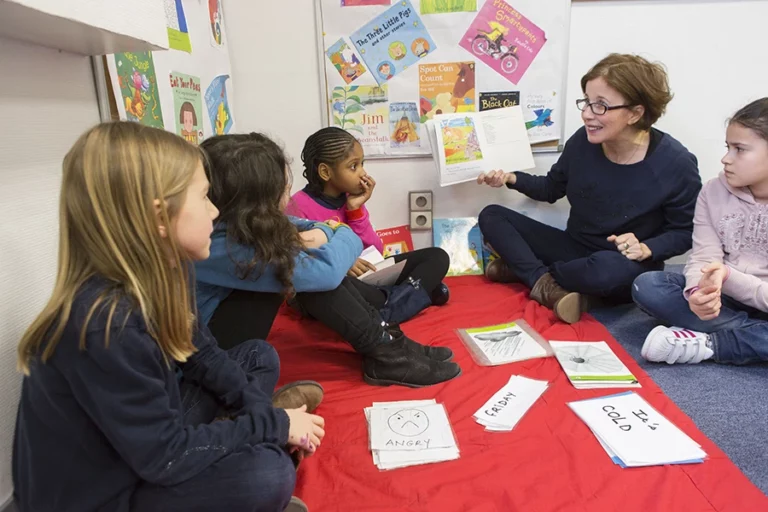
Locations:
(632, 190)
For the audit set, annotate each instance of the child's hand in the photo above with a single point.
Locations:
(305, 430)
(357, 200)
(360, 267)
(313, 238)
(705, 302)
(714, 275)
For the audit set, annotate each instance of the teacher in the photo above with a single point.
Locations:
(632, 190)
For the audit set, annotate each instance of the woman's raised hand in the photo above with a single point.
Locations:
(497, 178)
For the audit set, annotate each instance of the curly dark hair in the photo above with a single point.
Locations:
(327, 146)
(249, 176)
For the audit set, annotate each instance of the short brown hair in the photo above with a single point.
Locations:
(187, 107)
(753, 116)
(640, 81)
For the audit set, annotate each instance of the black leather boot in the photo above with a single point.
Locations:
(395, 363)
(435, 353)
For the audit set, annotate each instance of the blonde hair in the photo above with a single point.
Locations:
(109, 215)
(640, 81)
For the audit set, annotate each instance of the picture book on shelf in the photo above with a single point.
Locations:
(462, 240)
(396, 240)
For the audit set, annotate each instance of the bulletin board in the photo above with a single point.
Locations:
(187, 89)
(388, 66)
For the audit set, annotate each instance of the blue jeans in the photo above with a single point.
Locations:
(531, 249)
(739, 334)
(254, 478)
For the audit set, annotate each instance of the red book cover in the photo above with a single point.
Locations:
(396, 240)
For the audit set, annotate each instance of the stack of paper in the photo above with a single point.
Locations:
(592, 364)
(502, 412)
(409, 433)
(634, 434)
(504, 343)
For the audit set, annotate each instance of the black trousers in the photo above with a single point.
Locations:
(351, 310)
(531, 249)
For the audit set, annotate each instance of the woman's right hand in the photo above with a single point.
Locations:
(305, 430)
(497, 178)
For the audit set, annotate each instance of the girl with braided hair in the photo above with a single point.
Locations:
(338, 188)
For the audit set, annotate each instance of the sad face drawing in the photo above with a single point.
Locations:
(408, 422)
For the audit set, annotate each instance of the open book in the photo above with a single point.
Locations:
(468, 143)
(387, 271)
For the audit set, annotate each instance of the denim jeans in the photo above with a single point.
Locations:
(258, 477)
(739, 334)
(531, 249)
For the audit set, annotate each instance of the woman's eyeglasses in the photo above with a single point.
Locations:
(597, 108)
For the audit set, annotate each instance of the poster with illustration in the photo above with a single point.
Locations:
(460, 141)
(393, 41)
(445, 6)
(187, 106)
(344, 59)
(138, 88)
(353, 3)
(494, 100)
(404, 125)
(216, 19)
(503, 39)
(218, 106)
(363, 111)
(539, 111)
(178, 33)
(445, 88)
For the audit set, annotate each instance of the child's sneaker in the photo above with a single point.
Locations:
(676, 345)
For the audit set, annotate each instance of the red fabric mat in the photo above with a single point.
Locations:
(549, 462)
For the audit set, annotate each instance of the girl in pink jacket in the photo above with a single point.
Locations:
(720, 305)
(338, 188)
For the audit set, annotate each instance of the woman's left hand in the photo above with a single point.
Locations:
(629, 246)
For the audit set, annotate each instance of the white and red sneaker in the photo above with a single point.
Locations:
(676, 345)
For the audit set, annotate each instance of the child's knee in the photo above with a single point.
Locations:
(645, 288)
(269, 481)
(261, 355)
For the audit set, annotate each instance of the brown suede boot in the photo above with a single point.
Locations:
(296, 394)
(498, 272)
(567, 306)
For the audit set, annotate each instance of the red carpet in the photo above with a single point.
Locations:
(549, 462)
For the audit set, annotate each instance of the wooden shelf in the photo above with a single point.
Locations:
(87, 27)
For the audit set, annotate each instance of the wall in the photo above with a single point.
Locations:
(715, 51)
(45, 104)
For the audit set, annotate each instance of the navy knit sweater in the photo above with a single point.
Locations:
(654, 198)
(93, 424)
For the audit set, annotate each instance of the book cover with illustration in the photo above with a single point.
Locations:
(462, 240)
(364, 112)
(176, 21)
(460, 140)
(138, 88)
(344, 59)
(396, 240)
(353, 3)
(404, 126)
(494, 100)
(446, 88)
(445, 6)
(504, 39)
(539, 108)
(393, 41)
(216, 19)
(218, 106)
(187, 106)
